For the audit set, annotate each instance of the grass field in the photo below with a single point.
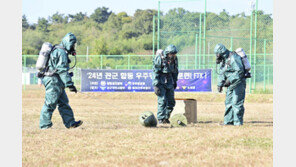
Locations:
(112, 136)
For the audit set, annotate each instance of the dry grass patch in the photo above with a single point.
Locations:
(112, 136)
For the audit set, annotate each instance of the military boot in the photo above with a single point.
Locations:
(76, 124)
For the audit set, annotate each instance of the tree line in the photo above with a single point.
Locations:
(106, 33)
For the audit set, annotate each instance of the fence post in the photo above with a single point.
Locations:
(128, 62)
(196, 42)
(268, 76)
(101, 61)
(199, 61)
(204, 33)
(186, 62)
(34, 79)
(153, 39)
(204, 55)
(209, 46)
(264, 74)
(255, 45)
(231, 43)
(75, 76)
(158, 25)
(25, 70)
(87, 54)
(251, 33)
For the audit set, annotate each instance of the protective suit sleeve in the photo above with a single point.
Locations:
(62, 67)
(176, 72)
(238, 68)
(156, 70)
(221, 80)
(221, 77)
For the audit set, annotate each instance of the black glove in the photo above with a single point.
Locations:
(227, 83)
(156, 91)
(72, 89)
(220, 88)
(40, 75)
(175, 85)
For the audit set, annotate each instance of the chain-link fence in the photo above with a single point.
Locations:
(194, 30)
(131, 62)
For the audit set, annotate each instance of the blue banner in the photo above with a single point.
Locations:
(141, 80)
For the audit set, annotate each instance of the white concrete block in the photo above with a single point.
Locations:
(188, 108)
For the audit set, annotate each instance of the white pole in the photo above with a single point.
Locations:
(87, 54)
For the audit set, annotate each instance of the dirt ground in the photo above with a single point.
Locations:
(112, 136)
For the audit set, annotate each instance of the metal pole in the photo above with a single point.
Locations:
(153, 39)
(196, 42)
(204, 38)
(128, 62)
(199, 61)
(268, 76)
(158, 25)
(87, 54)
(264, 74)
(208, 53)
(204, 55)
(251, 32)
(34, 79)
(186, 62)
(231, 43)
(255, 45)
(101, 61)
(25, 70)
(75, 75)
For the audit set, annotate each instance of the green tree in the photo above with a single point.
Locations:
(123, 34)
(58, 18)
(100, 47)
(25, 24)
(78, 17)
(101, 15)
(143, 20)
(124, 18)
(42, 24)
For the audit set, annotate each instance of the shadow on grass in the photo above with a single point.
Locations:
(207, 122)
(191, 125)
(259, 123)
(252, 123)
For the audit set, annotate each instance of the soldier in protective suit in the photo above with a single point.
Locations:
(165, 76)
(232, 76)
(55, 85)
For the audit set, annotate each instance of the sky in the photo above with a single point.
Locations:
(33, 9)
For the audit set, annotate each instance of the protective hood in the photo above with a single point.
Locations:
(69, 41)
(219, 49)
(170, 49)
(222, 50)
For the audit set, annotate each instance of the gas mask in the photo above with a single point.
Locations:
(72, 50)
(219, 58)
(171, 57)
